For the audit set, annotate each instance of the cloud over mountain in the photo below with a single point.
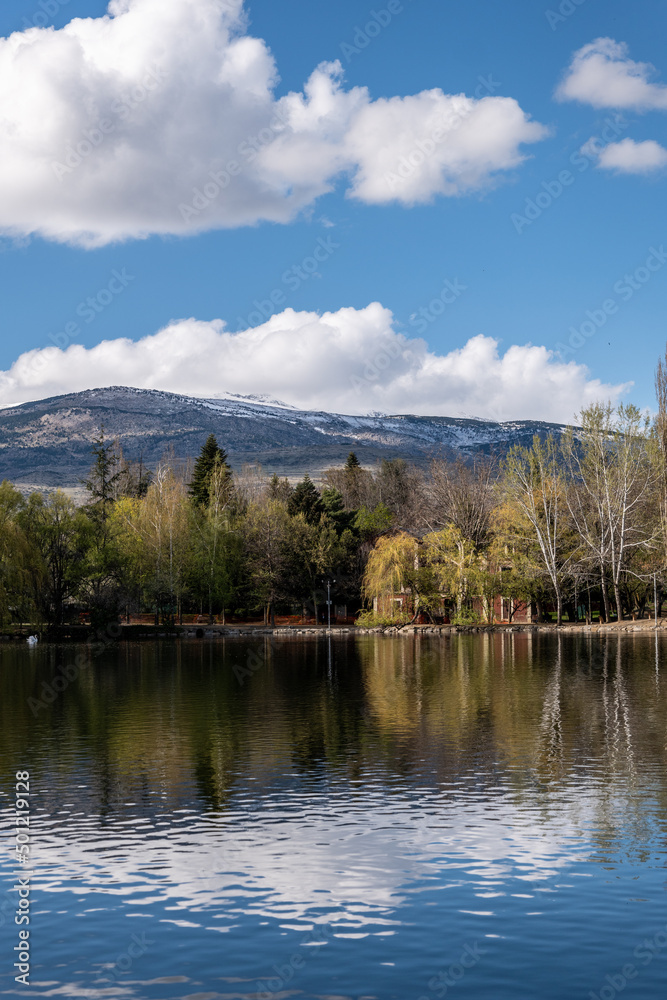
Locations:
(349, 361)
(161, 117)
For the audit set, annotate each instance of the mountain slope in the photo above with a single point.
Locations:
(47, 443)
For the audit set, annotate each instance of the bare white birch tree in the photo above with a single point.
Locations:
(534, 486)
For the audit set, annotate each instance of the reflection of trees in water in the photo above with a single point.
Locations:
(170, 723)
(629, 760)
(618, 730)
(551, 723)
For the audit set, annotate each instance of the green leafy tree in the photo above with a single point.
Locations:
(56, 528)
(21, 570)
(372, 524)
(216, 543)
(319, 553)
(161, 522)
(268, 540)
(133, 538)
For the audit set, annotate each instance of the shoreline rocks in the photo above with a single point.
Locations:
(83, 634)
(213, 631)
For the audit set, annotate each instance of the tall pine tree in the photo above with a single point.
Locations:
(306, 500)
(210, 458)
(104, 477)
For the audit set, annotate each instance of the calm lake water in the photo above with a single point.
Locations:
(471, 817)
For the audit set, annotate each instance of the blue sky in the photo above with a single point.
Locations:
(531, 286)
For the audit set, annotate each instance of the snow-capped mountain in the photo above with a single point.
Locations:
(47, 443)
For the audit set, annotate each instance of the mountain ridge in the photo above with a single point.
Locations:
(46, 443)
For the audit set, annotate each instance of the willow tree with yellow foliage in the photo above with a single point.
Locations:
(392, 568)
(457, 564)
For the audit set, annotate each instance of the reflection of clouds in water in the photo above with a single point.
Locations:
(361, 861)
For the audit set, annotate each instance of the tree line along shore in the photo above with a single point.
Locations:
(570, 530)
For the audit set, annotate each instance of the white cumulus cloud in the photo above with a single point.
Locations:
(162, 117)
(630, 157)
(409, 149)
(603, 75)
(349, 361)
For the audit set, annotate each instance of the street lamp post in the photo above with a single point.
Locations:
(329, 601)
(329, 604)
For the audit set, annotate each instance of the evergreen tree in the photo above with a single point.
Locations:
(279, 489)
(103, 481)
(211, 457)
(102, 564)
(306, 500)
(352, 461)
(335, 510)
